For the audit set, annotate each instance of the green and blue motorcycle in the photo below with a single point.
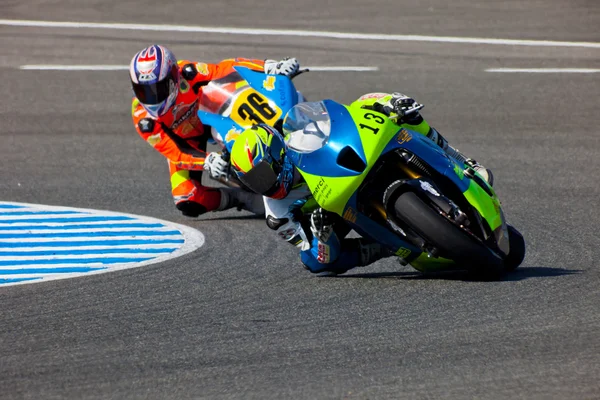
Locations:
(399, 188)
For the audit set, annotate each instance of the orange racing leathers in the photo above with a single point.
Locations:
(181, 137)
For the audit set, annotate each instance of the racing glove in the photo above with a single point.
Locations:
(321, 224)
(288, 66)
(216, 166)
(403, 105)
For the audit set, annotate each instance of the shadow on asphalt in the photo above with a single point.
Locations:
(517, 275)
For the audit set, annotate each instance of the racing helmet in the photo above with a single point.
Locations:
(258, 159)
(155, 79)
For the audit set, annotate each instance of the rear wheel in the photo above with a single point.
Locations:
(451, 241)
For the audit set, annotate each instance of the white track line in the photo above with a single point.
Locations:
(299, 33)
(126, 67)
(545, 70)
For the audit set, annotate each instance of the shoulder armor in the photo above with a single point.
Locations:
(146, 125)
(189, 72)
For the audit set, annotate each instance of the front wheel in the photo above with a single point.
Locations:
(516, 253)
(451, 241)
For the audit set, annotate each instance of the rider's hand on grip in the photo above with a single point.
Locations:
(289, 66)
(321, 224)
(404, 105)
(216, 165)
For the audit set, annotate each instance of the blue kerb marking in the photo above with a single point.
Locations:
(79, 252)
(61, 220)
(15, 280)
(100, 260)
(11, 213)
(39, 242)
(91, 243)
(67, 270)
(79, 226)
(86, 234)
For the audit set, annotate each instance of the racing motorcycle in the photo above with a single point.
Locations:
(243, 99)
(401, 189)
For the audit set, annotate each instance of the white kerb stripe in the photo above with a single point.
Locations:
(148, 245)
(299, 33)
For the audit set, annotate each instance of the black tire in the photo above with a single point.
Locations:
(448, 238)
(516, 253)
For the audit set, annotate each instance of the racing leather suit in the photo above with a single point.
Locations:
(181, 137)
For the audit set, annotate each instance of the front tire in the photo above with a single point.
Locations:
(516, 253)
(451, 241)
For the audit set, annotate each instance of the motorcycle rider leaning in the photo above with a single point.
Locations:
(164, 110)
(259, 154)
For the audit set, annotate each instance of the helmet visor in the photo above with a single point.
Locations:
(155, 93)
(260, 179)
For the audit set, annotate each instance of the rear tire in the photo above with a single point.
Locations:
(448, 238)
(516, 253)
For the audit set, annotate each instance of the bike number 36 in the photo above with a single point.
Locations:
(254, 109)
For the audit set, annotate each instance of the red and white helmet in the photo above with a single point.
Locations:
(155, 79)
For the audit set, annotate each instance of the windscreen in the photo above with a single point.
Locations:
(306, 127)
(218, 95)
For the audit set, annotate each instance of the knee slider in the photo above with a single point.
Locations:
(191, 208)
(311, 263)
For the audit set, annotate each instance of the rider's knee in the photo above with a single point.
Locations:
(312, 263)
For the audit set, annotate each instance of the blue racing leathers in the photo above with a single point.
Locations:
(289, 217)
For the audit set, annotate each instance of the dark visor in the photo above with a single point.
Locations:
(154, 93)
(260, 179)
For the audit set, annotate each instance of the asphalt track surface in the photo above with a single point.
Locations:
(239, 318)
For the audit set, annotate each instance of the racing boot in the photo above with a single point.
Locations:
(371, 252)
(437, 138)
(242, 200)
(368, 253)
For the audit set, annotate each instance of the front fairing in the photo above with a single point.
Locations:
(366, 136)
(243, 99)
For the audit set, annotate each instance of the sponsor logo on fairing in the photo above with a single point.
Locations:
(403, 136)
(350, 215)
(269, 83)
(373, 96)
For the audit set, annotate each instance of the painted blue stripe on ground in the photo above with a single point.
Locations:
(60, 220)
(2, 281)
(114, 260)
(79, 252)
(91, 243)
(86, 234)
(67, 270)
(10, 206)
(81, 226)
(12, 213)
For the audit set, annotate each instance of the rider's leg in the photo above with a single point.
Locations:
(337, 257)
(194, 199)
